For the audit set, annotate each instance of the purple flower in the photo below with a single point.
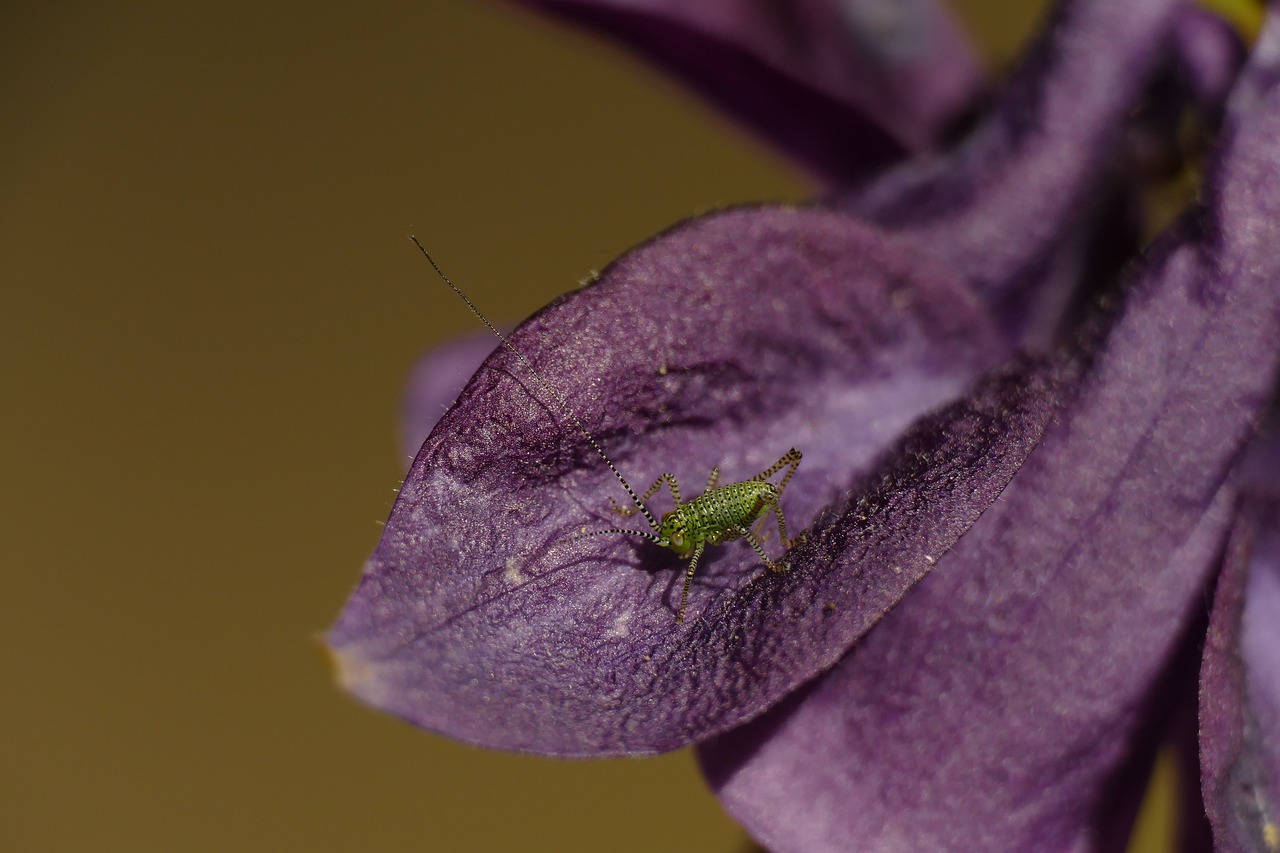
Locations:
(1032, 454)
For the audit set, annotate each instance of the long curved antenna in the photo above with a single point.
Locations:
(635, 499)
(657, 540)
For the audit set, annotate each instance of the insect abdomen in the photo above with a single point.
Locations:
(717, 515)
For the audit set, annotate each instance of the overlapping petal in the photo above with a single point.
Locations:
(989, 709)
(842, 87)
(1025, 210)
(1240, 687)
(1240, 677)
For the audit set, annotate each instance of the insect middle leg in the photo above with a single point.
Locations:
(669, 479)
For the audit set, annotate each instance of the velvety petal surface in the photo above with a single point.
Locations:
(724, 342)
(1240, 687)
(987, 710)
(842, 87)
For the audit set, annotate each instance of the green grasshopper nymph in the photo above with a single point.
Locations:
(720, 514)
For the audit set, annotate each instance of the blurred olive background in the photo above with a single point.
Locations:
(210, 306)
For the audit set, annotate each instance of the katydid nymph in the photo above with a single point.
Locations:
(720, 514)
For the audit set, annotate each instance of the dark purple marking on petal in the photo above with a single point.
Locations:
(842, 86)
(1240, 689)
(986, 708)
(726, 341)
(435, 383)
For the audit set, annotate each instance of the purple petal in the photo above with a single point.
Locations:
(1260, 653)
(1210, 54)
(987, 710)
(728, 340)
(1240, 681)
(981, 714)
(1240, 688)
(435, 382)
(1207, 54)
(1014, 207)
(842, 87)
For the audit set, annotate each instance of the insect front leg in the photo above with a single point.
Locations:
(669, 479)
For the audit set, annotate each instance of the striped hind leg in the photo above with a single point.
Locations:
(790, 460)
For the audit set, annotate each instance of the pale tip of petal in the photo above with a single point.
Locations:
(354, 674)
